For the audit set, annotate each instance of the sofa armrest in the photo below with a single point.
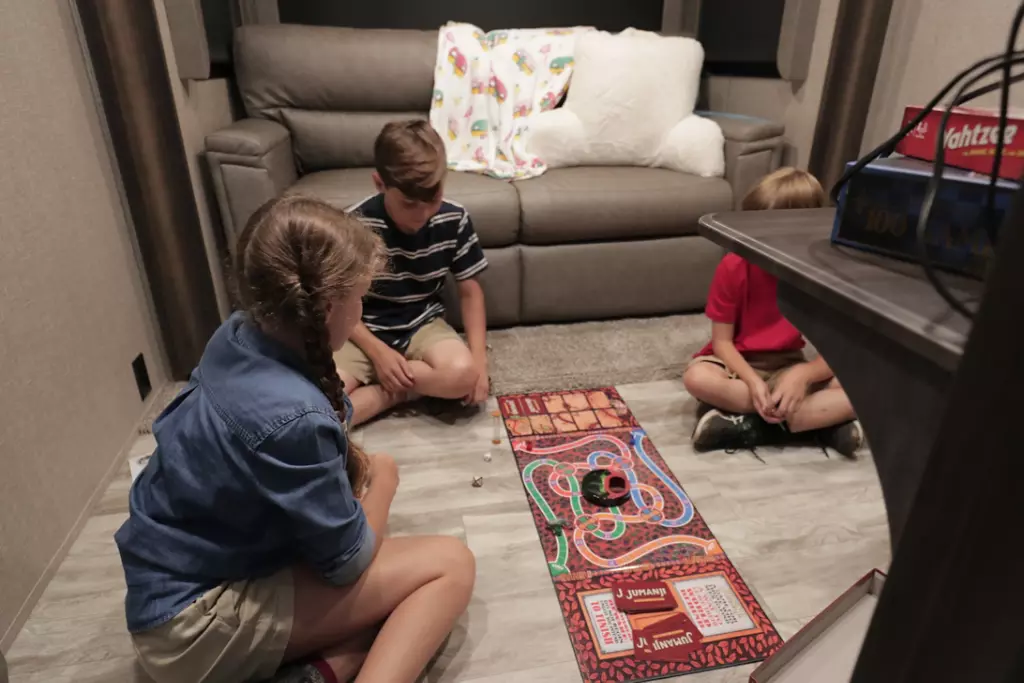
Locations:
(251, 162)
(753, 148)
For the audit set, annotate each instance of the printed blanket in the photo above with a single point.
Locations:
(486, 88)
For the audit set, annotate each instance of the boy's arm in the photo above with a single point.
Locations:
(722, 309)
(474, 320)
(366, 340)
(393, 370)
(469, 261)
(794, 384)
(723, 347)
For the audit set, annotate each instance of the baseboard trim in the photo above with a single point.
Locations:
(120, 460)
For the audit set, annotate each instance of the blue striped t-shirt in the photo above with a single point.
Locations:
(408, 295)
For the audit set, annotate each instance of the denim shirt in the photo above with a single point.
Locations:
(248, 477)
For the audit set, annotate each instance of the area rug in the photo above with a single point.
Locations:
(593, 354)
(655, 535)
(571, 356)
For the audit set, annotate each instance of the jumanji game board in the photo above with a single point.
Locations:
(559, 437)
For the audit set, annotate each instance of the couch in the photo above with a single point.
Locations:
(572, 244)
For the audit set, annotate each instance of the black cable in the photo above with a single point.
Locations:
(1004, 104)
(991, 87)
(887, 147)
(989, 217)
(933, 184)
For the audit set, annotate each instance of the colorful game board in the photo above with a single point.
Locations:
(658, 534)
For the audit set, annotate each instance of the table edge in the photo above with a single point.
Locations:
(883, 316)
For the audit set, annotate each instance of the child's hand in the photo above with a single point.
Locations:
(761, 395)
(481, 390)
(790, 392)
(393, 371)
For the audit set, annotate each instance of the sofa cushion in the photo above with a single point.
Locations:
(327, 68)
(324, 84)
(492, 204)
(336, 139)
(593, 203)
(616, 279)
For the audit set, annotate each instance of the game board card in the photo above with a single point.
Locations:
(672, 639)
(713, 605)
(508, 406)
(541, 424)
(641, 620)
(563, 422)
(555, 404)
(609, 418)
(576, 401)
(519, 426)
(585, 420)
(644, 596)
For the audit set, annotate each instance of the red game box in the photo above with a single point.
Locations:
(970, 139)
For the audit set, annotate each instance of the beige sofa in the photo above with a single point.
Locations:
(573, 244)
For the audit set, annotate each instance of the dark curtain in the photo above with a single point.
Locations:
(487, 14)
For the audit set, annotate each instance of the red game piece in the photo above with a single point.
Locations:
(643, 596)
(670, 640)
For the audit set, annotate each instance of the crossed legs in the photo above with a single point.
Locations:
(711, 383)
(446, 370)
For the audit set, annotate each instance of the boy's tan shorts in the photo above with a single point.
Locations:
(235, 632)
(769, 365)
(352, 361)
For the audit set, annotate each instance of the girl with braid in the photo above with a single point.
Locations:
(256, 547)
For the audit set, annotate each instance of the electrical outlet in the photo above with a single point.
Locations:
(141, 376)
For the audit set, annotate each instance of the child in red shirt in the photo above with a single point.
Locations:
(752, 378)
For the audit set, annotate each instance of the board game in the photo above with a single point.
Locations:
(657, 533)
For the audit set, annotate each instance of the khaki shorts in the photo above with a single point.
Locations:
(769, 365)
(235, 632)
(352, 361)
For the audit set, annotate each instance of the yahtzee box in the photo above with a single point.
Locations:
(970, 139)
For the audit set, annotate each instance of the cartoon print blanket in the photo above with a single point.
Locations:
(486, 88)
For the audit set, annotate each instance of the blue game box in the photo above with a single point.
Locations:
(879, 208)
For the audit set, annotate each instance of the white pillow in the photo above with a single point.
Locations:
(630, 103)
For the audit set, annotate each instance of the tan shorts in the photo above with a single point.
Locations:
(235, 632)
(769, 365)
(352, 361)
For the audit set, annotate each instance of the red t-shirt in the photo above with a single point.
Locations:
(744, 295)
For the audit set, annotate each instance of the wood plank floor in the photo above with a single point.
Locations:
(800, 527)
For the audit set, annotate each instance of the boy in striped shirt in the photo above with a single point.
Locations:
(403, 346)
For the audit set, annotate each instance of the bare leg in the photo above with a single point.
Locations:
(369, 400)
(418, 586)
(347, 658)
(446, 371)
(710, 383)
(824, 408)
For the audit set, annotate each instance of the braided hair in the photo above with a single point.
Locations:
(294, 258)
